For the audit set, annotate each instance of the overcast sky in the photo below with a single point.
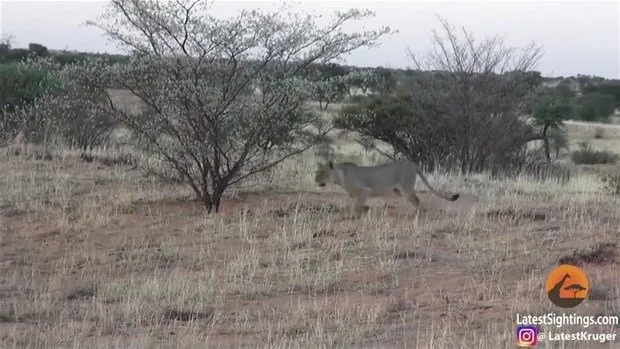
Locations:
(578, 37)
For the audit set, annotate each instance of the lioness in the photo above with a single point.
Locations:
(362, 182)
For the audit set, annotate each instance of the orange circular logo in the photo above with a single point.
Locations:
(567, 286)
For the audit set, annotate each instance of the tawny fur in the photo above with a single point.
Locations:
(388, 179)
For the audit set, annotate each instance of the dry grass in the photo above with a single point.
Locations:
(93, 255)
(586, 132)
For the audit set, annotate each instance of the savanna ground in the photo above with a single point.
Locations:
(94, 255)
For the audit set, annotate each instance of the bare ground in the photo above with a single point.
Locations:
(94, 256)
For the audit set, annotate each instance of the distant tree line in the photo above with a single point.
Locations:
(588, 98)
(10, 54)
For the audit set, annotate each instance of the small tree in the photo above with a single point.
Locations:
(6, 43)
(564, 92)
(227, 98)
(331, 70)
(403, 122)
(462, 108)
(331, 83)
(361, 79)
(383, 80)
(484, 86)
(38, 50)
(533, 79)
(330, 91)
(550, 111)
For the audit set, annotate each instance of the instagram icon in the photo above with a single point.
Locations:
(527, 336)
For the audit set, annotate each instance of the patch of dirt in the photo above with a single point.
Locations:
(362, 282)
(463, 204)
(170, 207)
(309, 203)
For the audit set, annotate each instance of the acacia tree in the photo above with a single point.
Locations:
(226, 97)
(408, 122)
(486, 91)
(384, 80)
(463, 110)
(332, 90)
(361, 79)
(550, 112)
(331, 83)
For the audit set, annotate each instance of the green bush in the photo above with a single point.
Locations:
(21, 86)
(589, 156)
(594, 106)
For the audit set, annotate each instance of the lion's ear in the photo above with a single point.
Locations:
(330, 164)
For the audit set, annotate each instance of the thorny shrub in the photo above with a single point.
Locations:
(63, 111)
(21, 85)
(461, 109)
(226, 98)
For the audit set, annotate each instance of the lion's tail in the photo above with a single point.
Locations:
(443, 196)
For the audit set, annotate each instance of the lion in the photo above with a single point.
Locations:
(362, 182)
